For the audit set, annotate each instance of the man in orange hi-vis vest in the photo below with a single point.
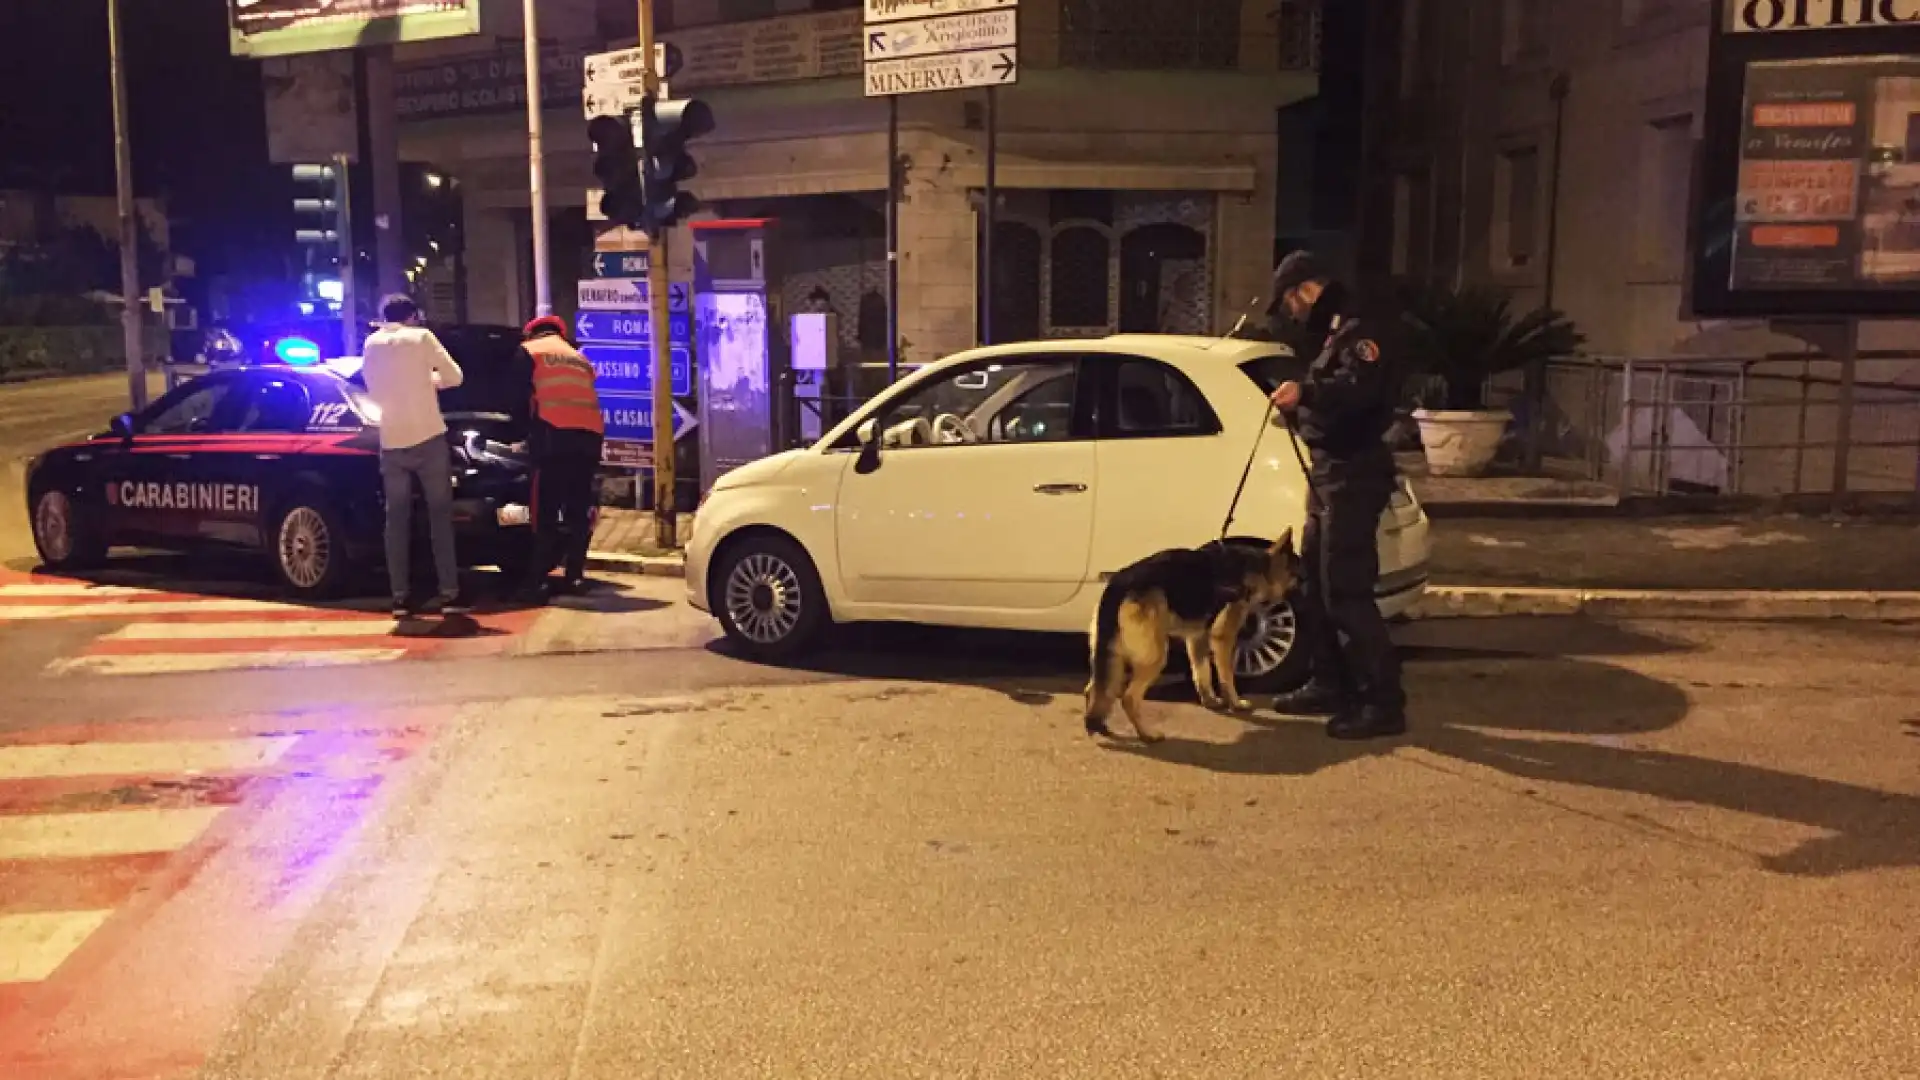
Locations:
(564, 440)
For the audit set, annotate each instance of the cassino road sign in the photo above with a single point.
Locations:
(943, 35)
(884, 11)
(928, 74)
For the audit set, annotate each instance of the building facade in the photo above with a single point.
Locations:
(1136, 175)
(1554, 147)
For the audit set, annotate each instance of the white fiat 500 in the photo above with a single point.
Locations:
(1000, 487)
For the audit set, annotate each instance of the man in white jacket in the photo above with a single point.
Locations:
(405, 368)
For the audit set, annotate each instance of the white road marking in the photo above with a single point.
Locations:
(121, 609)
(141, 758)
(35, 944)
(171, 663)
(108, 832)
(70, 588)
(208, 631)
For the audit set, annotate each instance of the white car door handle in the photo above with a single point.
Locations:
(1059, 489)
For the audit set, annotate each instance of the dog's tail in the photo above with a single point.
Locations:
(1103, 641)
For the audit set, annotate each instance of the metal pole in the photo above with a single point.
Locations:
(129, 219)
(1536, 374)
(666, 518)
(537, 170)
(349, 292)
(383, 152)
(1848, 354)
(893, 238)
(986, 275)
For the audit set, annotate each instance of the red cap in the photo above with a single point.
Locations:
(546, 322)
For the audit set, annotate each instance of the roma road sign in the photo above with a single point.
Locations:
(955, 71)
(620, 264)
(881, 11)
(946, 34)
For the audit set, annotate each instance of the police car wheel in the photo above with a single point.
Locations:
(63, 533)
(768, 598)
(1273, 653)
(309, 552)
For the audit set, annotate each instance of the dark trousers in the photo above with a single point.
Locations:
(563, 498)
(1340, 565)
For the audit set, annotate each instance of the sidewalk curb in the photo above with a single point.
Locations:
(1498, 601)
(1731, 605)
(614, 562)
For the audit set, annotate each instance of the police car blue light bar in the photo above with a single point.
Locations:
(296, 351)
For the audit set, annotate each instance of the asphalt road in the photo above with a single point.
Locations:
(44, 413)
(1638, 851)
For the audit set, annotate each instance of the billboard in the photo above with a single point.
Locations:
(285, 27)
(1810, 178)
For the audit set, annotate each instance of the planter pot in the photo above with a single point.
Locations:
(1460, 443)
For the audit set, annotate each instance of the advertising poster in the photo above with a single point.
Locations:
(1828, 194)
(286, 27)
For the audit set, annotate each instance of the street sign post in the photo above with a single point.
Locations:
(943, 35)
(880, 11)
(922, 47)
(927, 74)
(614, 332)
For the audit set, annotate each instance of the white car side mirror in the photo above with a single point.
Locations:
(866, 431)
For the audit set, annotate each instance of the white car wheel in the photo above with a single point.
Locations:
(1273, 653)
(768, 597)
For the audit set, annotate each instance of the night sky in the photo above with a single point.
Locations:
(199, 133)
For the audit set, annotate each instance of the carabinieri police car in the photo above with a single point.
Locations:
(281, 460)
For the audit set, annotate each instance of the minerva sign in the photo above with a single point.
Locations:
(1772, 16)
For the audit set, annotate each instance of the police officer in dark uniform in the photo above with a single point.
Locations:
(1342, 409)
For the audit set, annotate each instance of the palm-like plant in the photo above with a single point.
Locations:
(1463, 336)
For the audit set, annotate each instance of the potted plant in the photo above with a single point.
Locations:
(1462, 337)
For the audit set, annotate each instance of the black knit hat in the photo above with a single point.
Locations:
(1295, 270)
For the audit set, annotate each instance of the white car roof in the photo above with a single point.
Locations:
(1181, 350)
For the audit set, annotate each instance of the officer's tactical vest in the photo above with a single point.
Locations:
(563, 391)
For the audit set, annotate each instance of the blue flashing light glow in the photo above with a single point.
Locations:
(296, 351)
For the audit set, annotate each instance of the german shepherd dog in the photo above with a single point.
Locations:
(1199, 595)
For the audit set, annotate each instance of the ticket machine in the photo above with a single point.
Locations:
(745, 372)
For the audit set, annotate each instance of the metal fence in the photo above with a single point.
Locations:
(1762, 426)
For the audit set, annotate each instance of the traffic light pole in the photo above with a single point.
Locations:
(666, 518)
(129, 218)
(537, 169)
(349, 291)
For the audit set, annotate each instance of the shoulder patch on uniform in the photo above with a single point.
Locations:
(1366, 350)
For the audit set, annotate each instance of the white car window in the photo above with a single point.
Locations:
(1153, 400)
(1001, 402)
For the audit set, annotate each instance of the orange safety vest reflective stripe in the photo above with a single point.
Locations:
(563, 390)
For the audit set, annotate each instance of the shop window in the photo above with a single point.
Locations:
(1077, 269)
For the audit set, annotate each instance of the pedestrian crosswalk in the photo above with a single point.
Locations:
(151, 631)
(85, 828)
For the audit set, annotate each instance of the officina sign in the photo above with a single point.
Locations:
(1774, 16)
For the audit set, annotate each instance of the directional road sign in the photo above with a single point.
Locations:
(958, 71)
(621, 264)
(630, 416)
(620, 346)
(627, 294)
(623, 65)
(880, 11)
(942, 35)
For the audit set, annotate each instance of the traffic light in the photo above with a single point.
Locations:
(666, 127)
(316, 205)
(323, 227)
(617, 165)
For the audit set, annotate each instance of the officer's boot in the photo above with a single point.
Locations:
(1368, 722)
(1320, 696)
